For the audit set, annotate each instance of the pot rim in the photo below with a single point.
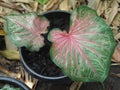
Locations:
(14, 81)
(55, 11)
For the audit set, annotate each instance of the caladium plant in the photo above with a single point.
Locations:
(26, 30)
(84, 53)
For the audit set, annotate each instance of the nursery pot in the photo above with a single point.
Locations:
(39, 64)
(13, 83)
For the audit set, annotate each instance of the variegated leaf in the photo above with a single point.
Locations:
(25, 30)
(84, 53)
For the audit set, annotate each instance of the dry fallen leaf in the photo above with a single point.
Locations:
(11, 74)
(112, 14)
(28, 79)
(72, 3)
(76, 85)
(64, 5)
(34, 5)
(116, 21)
(116, 55)
(11, 6)
(93, 4)
(10, 54)
(27, 8)
(9, 44)
(117, 37)
(50, 4)
(118, 1)
(2, 33)
(100, 8)
(22, 1)
(115, 31)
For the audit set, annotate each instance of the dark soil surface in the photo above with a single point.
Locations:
(41, 63)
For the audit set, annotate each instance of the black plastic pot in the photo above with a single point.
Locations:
(58, 19)
(13, 82)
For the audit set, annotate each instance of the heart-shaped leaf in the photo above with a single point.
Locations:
(84, 53)
(25, 30)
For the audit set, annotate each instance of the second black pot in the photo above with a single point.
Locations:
(12, 82)
(42, 61)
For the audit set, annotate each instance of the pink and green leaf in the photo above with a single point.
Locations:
(84, 53)
(26, 30)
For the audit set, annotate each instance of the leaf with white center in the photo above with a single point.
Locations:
(26, 30)
(84, 53)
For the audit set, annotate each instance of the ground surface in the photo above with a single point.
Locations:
(10, 65)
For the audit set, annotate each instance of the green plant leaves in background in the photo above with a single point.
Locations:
(42, 1)
(8, 87)
(84, 53)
